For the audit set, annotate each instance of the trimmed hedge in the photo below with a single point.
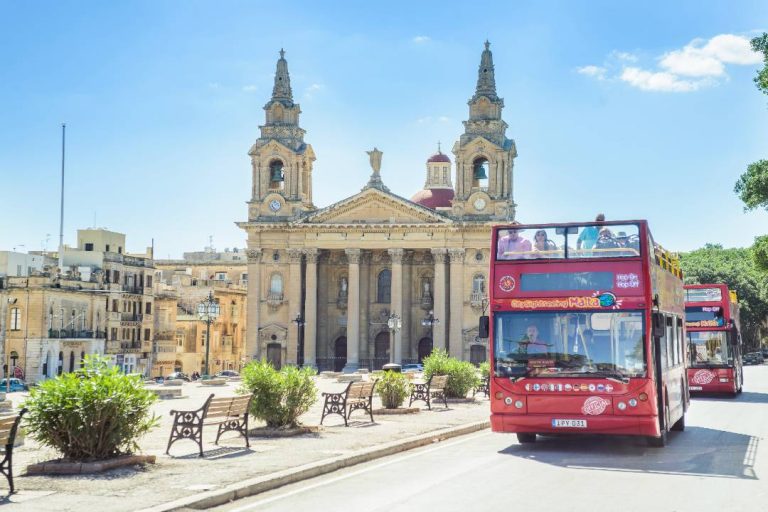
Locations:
(279, 396)
(462, 375)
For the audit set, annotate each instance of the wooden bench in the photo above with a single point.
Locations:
(483, 386)
(433, 388)
(8, 428)
(358, 395)
(229, 413)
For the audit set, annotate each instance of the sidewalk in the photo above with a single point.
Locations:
(183, 474)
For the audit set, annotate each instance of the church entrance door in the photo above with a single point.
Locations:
(340, 353)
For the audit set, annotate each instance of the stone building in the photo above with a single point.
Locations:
(323, 282)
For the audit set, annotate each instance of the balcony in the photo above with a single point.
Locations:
(274, 299)
(75, 333)
(478, 300)
(130, 347)
(131, 317)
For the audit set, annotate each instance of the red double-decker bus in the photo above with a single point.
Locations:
(712, 328)
(586, 331)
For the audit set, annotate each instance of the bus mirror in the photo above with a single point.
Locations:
(482, 328)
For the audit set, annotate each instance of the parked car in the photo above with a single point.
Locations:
(16, 385)
(227, 373)
(413, 368)
(753, 358)
(178, 375)
(765, 352)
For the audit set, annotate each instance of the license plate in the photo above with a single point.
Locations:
(695, 388)
(569, 423)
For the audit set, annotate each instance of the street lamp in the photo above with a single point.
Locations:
(208, 311)
(299, 321)
(430, 321)
(395, 323)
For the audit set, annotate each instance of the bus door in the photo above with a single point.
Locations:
(659, 365)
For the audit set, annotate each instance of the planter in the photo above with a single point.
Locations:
(59, 467)
(213, 382)
(458, 400)
(330, 375)
(399, 410)
(350, 377)
(283, 432)
(173, 382)
(166, 393)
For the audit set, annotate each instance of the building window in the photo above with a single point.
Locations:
(478, 284)
(149, 281)
(15, 319)
(384, 288)
(107, 248)
(276, 284)
(147, 334)
(221, 276)
(244, 277)
(89, 247)
(148, 308)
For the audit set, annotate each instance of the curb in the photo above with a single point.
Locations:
(271, 481)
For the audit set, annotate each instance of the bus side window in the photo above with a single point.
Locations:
(670, 338)
(680, 340)
(661, 333)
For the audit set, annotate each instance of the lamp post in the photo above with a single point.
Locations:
(430, 321)
(208, 311)
(299, 321)
(395, 323)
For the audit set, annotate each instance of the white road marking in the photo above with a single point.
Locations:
(418, 453)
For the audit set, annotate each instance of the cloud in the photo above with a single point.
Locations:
(214, 85)
(312, 89)
(421, 39)
(595, 71)
(250, 88)
(700, 63)
(657, 81)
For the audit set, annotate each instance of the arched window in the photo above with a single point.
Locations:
(276, 284)
(14, 358)
(60, 367)
(478, 284)
(82, 358)
(72, 361)
(384, 288)
(276, 174)
(480, 170)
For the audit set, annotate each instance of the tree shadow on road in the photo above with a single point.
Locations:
(747, 397)
(697, 451)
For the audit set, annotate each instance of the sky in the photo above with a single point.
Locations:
(635, 109)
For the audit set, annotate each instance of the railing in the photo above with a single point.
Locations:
(476, 299)
(274, 299)
(131, 317)
(75, 333)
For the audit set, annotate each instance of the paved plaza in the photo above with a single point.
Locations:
(184, 473)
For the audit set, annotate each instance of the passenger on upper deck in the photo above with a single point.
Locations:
(511, 242)
(588, 236)
(606, 240)
(542, 243)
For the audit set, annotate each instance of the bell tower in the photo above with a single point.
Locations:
(280, 159)
(484, 155)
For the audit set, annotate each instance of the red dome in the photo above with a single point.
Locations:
(434, 197)
(439, 157)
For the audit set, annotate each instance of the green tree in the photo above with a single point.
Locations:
(760, 44)
(752, 186)
(737, 269)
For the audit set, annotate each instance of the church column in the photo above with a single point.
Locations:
(397, 301)
(294, 303)
(353, 311)
(439, 254)
(252, 349)
(310, 310)
(456, 343)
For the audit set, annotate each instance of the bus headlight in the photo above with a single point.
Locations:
(519, 404)
(643, 397)
(508, 400)
(621, 406)
(632, 402)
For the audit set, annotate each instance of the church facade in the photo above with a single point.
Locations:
(374, 277)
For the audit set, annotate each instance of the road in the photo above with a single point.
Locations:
(719, 463)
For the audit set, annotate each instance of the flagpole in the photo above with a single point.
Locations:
(61, 214)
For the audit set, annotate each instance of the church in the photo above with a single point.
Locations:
(376, 277)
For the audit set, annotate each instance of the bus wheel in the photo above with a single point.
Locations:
(679, 425)
(658, 442)
(526, 437)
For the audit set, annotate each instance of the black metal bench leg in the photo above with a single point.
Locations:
(370, 409)
(6, 467)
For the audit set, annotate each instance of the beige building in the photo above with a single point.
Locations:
(323, 282)
(50, 325)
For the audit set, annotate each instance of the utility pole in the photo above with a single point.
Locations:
(61, 214)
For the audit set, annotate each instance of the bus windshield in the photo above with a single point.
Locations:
(709, 348)
(567, 344)
(569, 242)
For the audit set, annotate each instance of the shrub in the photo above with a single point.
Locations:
(393, 388)
(485, 370)
(94, 413)
(462, 376)
(279, 396)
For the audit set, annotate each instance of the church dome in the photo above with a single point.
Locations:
(434, 197)
(439, 157)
